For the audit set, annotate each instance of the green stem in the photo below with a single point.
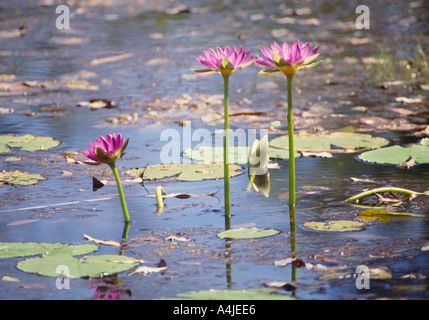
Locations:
(292, 218)
(226, 155)
(364, 194)
(121, 193)
(291, 144)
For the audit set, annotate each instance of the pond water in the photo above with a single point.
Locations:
(55, 70)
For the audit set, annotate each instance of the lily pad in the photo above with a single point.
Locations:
(258, 294)
(325, 141)
(247, 233)
(22, 249)
(27, 142)
(335, 225)
(185, 171)
(238, 155)
(88, 266)
(20, 178)
(215, 154)
(398, 155)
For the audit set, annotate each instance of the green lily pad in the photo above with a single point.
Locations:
(22, 249)
(88, 266)
(185, 171)
(20, 178)
(384, 215)
(335, 225)
(258, 294)
(238, 155)
(247, 233)
(398, 155)
(27, 142)
(325, 141)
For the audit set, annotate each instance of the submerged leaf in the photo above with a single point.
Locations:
(384, 215)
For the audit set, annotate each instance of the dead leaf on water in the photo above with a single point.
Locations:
(160, 267)
(175, 238)
(95, 104)
(21, 222)
(106, 242)
(119, 57)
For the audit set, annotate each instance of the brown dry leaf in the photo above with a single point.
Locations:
(402, 111)
(359, 41)
(361, 180)
(106, 242)
(141, 239)
(289, 286)
(81, 84)
(317, 154)
(408, 100)
(174, 238)
(119, 57)
(95, 104)
(20, 222)
(160, 267)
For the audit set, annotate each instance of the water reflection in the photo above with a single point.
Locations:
(260, 183)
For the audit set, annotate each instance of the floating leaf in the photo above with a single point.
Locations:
(20, 178)
(397, 154)
(74, 250)
(384, 215)
(88, 266)
(258, 294)
(116, 58)
(11, 279)
(185, 171)
(238, 155)
(247, 233)
(215, 154)
(21, 249)
(335, 225)
(26, 142)
(348, 140)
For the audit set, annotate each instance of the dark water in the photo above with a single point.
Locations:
(164, 39)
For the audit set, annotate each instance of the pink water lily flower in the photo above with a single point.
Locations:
(288, 59)
(105, 150)
(225, 60)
